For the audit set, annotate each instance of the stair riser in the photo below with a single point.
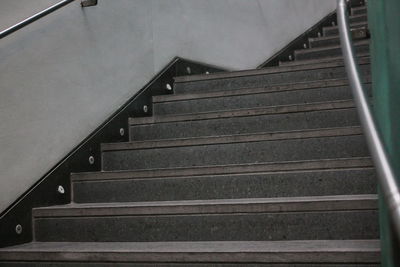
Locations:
(323, 42)
(243, 125)
(253, 100)
(215, 227)
(236, 153)
(329, 31)
(314, 43)
(314, 183)
(358, 11)
(258, 81)
(358, 19)
(328, 52)
(84, 264)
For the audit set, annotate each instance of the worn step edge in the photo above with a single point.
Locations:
(269, 110)
(250, 91)
(306, 165)
(330, 47)
(325, 59)
(254, 72)
(213, 206)
(304, 251)
(230, 139)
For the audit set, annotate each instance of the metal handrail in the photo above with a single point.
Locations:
(33, 18)
(384, 170)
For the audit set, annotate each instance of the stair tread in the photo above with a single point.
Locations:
(325, 59)
(359, 8)
(245, 205)
(263, 71)
(359, 11)
(328, 47)
(249, 91)
(352, 25)
(237, 138)
(245, 112)
(356, 162)
(357, 16)
(320, 38)
(261, 90)
(206, 251)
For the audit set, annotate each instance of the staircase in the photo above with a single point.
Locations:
(264, 167)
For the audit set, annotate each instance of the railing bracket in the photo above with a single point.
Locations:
(86, 3)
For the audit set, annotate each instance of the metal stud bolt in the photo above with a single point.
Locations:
(168, 87)
(305, 45)
(290, 57)
(122, 131)
(60, 189)
(18, 229)
(188, 70)
(145, 109)
(91, 160)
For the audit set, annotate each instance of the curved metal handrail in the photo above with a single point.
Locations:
(41, 14)
(385, 172)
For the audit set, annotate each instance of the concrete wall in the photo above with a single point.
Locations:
(63, 75)
(13, 11)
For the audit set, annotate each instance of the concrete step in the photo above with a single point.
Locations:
(307, 165)
(267, 219)
(318, 91)
(264, 77)
(359, 10)
(235, 149)
(360, 56)
(311, 253)
(245, 121)
(334, 30)
(329, 51)
(324, 41)
(359, 18)
(343, 181)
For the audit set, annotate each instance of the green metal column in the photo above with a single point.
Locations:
(384, 24)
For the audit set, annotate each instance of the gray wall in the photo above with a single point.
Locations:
(64, 75)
